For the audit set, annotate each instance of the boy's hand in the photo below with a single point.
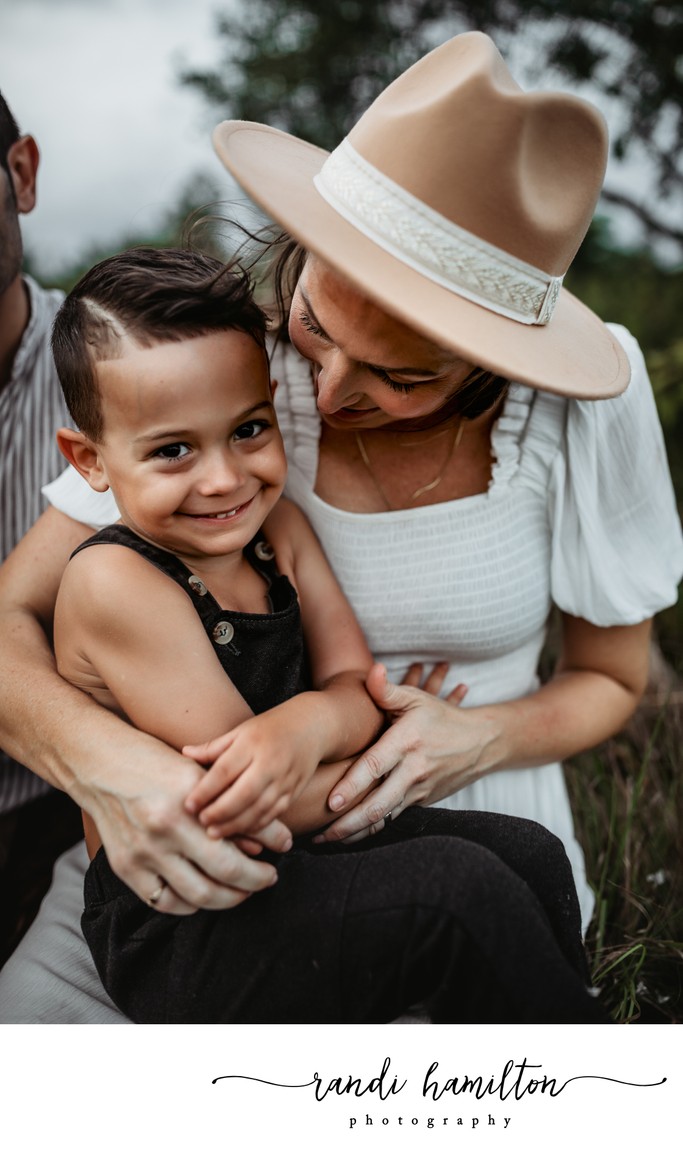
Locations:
(257, 769)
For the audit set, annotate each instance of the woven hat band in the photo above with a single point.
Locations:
(432, 244)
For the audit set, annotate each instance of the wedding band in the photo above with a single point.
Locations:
(154, 898)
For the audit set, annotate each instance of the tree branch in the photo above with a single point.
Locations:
(657, 226)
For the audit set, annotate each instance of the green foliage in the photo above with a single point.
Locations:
(628, 801)
(310, 68)
(628, 286)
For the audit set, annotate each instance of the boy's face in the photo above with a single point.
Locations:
(191, 447)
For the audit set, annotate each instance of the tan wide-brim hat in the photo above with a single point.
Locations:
(456, 203)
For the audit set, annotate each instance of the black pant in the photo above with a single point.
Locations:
(32, 837)
(473, 915)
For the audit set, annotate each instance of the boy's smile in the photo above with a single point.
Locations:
(191, 447)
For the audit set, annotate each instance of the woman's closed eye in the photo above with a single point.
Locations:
(394, 384)
(310, 325)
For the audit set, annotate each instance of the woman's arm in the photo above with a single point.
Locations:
(131, 784)
(434, 748)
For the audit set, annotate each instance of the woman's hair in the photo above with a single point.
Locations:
(151, 296)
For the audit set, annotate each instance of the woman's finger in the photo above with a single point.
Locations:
(240, 875)
(387, 800)
(378, 761)
(413, 676)
(435, 679)
(456, 696)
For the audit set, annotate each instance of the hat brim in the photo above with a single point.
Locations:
(574, 355)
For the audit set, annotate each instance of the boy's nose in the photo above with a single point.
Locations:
(220, 472)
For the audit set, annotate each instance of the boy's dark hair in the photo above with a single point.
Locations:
(153, 296)
(9, 134)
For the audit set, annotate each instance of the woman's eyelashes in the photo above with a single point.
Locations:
(394, 384)
(307, 322)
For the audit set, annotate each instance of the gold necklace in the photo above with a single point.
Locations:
(457, 436)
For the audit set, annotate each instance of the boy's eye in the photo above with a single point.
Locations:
(172, 451)
(251, 429)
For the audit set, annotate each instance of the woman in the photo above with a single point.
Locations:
(455, 507)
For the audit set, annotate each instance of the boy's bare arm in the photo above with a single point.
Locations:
(264, 764)
(260, 768)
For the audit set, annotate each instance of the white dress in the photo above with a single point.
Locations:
(580, 512)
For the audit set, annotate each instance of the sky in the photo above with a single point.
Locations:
(96, 83)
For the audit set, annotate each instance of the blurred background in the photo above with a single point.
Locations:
(122, 95)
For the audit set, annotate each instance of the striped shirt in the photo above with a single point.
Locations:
(31, 409)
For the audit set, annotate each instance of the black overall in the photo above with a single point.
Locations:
(473, 915)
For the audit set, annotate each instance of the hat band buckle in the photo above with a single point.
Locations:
(433, 245)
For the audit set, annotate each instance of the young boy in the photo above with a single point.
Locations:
(162, 361)
(161, 356)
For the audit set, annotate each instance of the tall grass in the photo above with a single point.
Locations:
(627, 798)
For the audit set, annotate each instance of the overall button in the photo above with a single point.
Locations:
(223, 633)
(263, 550)
(197, 585)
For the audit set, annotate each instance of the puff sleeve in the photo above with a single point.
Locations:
(617, 552)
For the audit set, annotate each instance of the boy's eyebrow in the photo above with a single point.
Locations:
(422, 371)
(180, 433)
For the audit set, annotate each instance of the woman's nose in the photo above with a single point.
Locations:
(337, 383)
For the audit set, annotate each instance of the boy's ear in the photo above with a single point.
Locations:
(84, 455)
(273, 387)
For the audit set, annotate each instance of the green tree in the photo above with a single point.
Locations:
(310, 68)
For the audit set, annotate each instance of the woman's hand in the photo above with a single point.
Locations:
(433, 749)
(430, 750)
(153, 844)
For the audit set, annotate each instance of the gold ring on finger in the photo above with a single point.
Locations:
(156, 895)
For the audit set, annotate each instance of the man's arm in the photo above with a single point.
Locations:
(130, 783)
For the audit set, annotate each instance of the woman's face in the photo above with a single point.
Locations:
(369, 369)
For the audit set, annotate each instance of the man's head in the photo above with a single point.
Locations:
(18, 167)
(143, 296)
(9, 134)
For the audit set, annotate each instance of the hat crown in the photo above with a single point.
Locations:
(521, 171)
